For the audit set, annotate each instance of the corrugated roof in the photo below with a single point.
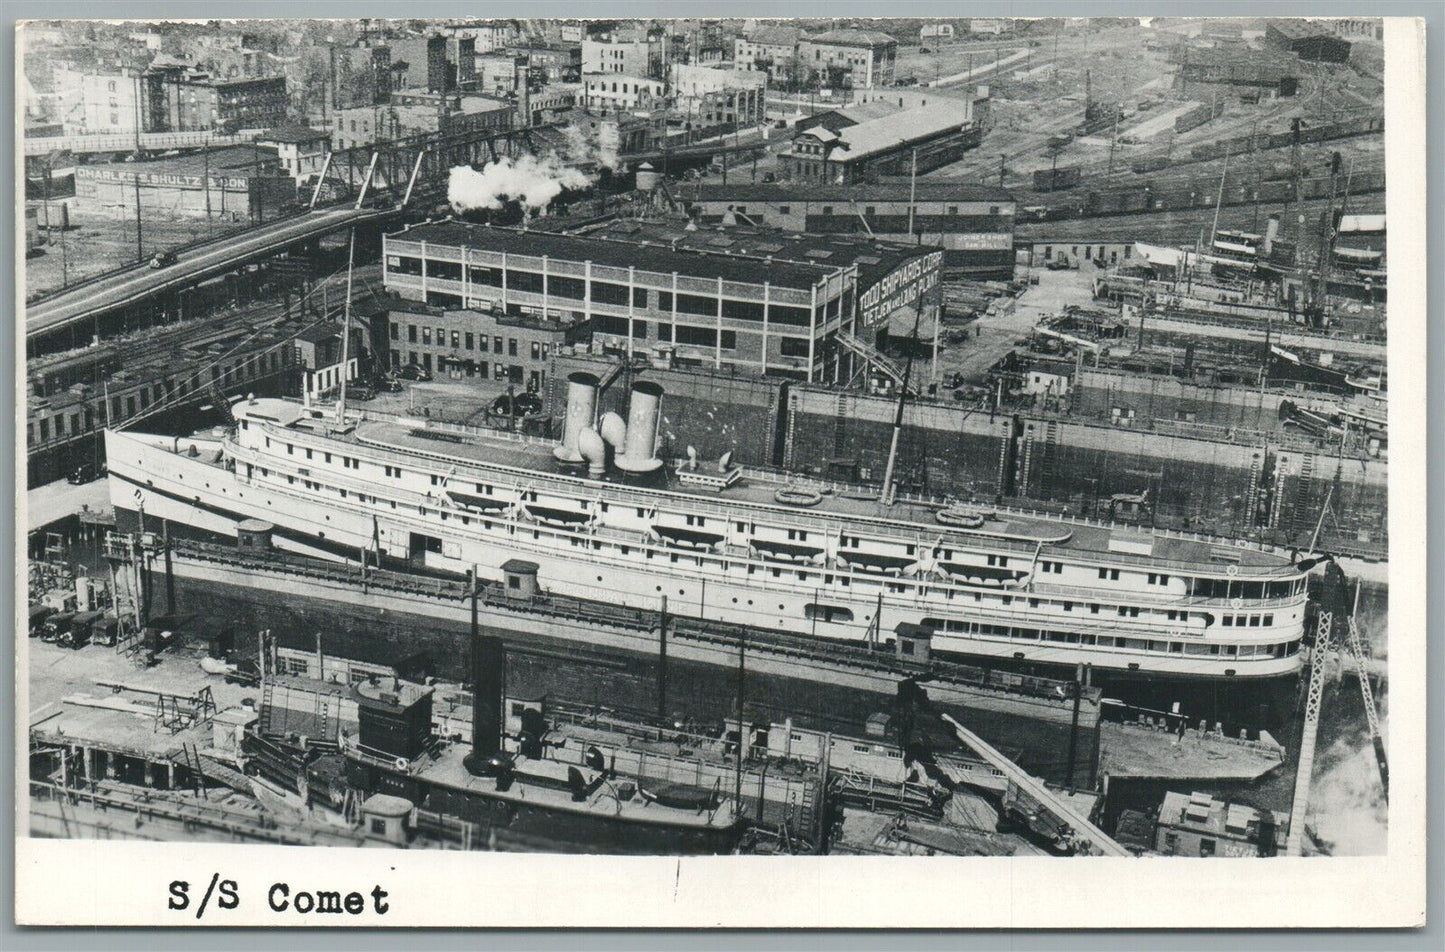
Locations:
(294, 132)
(899, 128)
(616, 252)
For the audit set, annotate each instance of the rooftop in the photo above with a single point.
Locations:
(292, 133)
(927, 191)
(1299, 29)
(619, 253)
(900, 128)
(874, 258)
(774, 36)
(868, 38)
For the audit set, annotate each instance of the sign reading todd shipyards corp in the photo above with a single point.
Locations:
(899, 288)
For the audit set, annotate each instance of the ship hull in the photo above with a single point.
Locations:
(159, 483)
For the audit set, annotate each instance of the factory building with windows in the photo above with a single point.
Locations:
(762, 308)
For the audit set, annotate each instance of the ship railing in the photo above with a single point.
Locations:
(841, 522)
(445, 426)
(1164, 599)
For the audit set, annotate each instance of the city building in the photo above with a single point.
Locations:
(719, 96)
(937, 32)
(301, 149)
(973, 224)
(319, 354)
(434, 62)
(203, 103)
(771, 50)
(414, 113)
(612, 92)
(236, 183)
(990, 26)
(497, 73)
(101, 103)
(512, 350)
(919, 139)
(625, 52)
(1360, 28)
(1270, 71)
(1198, 825)
(363, 75)
(753, 310)
(552, 63)
(553, 103)
(1312, 40)
(844, 59)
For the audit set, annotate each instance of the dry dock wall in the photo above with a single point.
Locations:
(1194, 483)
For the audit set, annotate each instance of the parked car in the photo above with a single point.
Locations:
(389, 385)
(360, 391)
(415, 372)
(163, 258)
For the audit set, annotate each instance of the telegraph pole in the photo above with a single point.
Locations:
(139, 247)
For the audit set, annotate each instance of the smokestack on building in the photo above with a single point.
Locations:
(489, 687)
(1271, 232)
(581, 410)
(644, 414)
(522, 70)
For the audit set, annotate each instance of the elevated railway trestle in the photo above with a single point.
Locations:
(414, 168)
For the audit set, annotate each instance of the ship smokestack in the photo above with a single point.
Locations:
(581, 411)
(644, 414)
(489, 685)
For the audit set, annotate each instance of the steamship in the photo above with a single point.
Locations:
(600, 516)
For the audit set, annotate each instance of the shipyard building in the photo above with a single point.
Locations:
(972, 224)
(767, 304)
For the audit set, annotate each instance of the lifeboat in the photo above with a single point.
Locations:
(688, 538)
(984, 574)
(877, 562)
(798, 496)
(557, 518)
(786, 551)
(477, 503)
(960, 518)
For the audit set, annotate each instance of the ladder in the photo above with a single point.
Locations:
(264, 722)
(1367, 695)
(1304, 770)
(1302, 492)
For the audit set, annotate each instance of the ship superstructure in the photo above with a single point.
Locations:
(602, 517)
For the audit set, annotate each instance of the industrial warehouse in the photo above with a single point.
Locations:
(681, 437)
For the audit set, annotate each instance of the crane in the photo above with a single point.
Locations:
(1304, 770)
(1085, 836)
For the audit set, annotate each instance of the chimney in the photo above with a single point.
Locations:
(489, 685)
(1271, 232)
(581, 409)
(644, 412)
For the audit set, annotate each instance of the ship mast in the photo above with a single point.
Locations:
(346, 333)
(887, 495)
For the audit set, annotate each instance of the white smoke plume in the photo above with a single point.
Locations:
(1347, 806)
(581, 149)
(532, 181)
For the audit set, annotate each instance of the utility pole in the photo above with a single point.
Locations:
(912, 190)
(206, 180)
(139, 246)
